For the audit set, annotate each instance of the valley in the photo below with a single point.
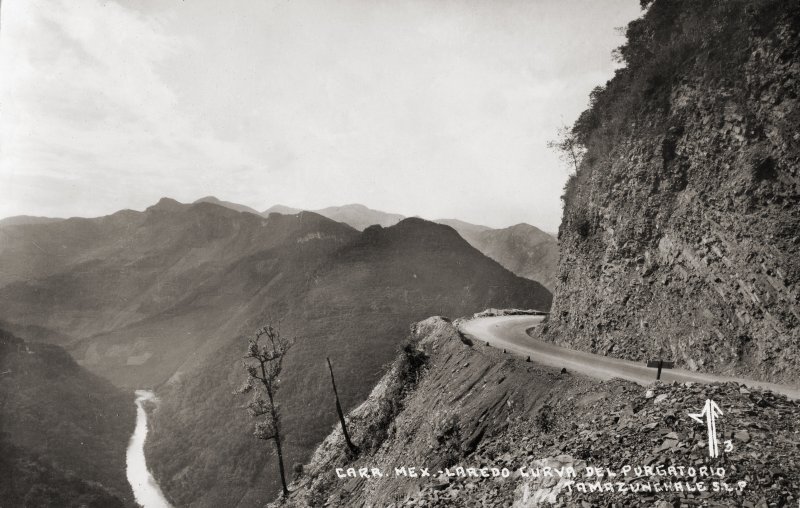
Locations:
(163, 299)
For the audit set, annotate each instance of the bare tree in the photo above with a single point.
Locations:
(263, 363)
(569, 149)
(353, 448)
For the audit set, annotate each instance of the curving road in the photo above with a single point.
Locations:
(510, 333)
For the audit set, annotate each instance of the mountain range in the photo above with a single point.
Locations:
(358, 216)
(165, 298)
(523, 249)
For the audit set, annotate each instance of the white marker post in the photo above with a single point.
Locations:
(711, 411)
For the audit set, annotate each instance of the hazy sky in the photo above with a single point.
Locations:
(437, 108)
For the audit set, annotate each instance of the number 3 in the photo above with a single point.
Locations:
(728, 446)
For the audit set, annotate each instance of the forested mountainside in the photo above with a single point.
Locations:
(681, 230)
(524, 249)
(63, 430)
(134, 294)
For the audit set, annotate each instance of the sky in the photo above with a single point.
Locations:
(434, 108)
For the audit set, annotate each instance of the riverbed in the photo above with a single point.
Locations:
(145, 489)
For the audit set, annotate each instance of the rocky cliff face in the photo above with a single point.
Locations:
(681, 231)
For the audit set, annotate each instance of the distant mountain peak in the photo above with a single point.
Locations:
(227, 204)
(281, 209)
(208, 199)
(526, 228)
(360, 216)
(166, 204)
(414, 227)
(351, 206)
(419, 222)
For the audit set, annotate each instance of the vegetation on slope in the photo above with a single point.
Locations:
(63, 431)
(133, 294)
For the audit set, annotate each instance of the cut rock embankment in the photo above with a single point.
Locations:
(680, 231)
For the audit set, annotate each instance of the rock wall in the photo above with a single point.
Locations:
(681, 231)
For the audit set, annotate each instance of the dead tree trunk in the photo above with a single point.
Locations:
(280, 466)
(353, 448)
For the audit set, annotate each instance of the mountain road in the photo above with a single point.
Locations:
(511, 333)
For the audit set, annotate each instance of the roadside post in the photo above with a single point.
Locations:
(660, 364)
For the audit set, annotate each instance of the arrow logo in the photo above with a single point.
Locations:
(711, 411)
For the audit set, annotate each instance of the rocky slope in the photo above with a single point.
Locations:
(681, 230)
(448, 403)
(63, 430)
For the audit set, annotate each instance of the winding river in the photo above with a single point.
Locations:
(145, 489)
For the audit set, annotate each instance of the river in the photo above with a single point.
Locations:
(145, 489)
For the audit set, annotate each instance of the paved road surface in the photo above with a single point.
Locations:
(510, 333)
